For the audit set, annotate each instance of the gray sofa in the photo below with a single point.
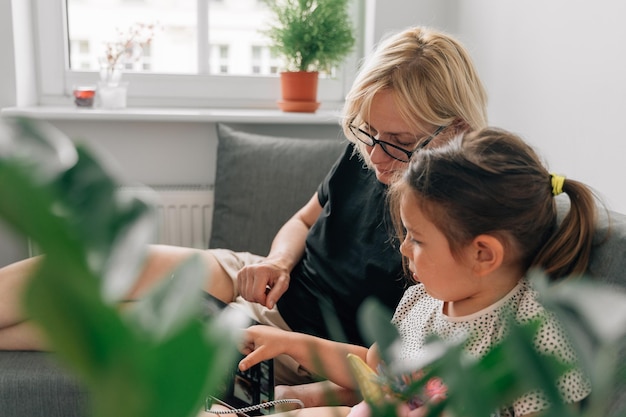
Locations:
(260, 182)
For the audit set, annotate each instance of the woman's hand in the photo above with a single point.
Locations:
(267, 281)
(263, 283)
(261, 343)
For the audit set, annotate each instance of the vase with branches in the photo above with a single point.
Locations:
(127, 48)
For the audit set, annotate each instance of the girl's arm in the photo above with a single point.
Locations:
(321, 356)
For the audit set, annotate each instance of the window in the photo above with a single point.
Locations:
(146, 58)
(203, 53)
(219, 59)
(263, 61)
(80, 53)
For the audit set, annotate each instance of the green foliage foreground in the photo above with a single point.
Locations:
(476, 388)
(159, 358)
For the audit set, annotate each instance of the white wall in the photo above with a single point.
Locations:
(12, 247)
(556, 74)
(7, 50)
(555, 71)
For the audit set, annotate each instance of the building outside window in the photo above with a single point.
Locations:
(219, 59)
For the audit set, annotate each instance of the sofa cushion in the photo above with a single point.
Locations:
(33, 384)
(608, 256)
(261, 181)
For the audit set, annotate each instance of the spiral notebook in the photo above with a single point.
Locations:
(248, 388)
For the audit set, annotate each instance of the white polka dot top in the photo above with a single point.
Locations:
(419, 315)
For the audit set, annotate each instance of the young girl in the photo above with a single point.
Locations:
(474, 215)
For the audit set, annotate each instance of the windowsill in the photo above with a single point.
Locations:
(173, 115)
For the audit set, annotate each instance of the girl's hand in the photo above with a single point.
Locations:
(362, 409)
(262, 342)
(404, 410)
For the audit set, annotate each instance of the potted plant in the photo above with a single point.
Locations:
(311, 36)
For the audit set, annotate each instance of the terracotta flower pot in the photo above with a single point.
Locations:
(299, 91)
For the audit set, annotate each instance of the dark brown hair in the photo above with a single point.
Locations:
(491, 182)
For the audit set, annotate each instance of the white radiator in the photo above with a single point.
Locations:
(184, 214)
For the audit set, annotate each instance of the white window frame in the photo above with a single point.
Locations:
(56, 80)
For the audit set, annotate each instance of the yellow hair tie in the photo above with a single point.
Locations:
(557, 182)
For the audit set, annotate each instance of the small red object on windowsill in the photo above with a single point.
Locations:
(84, 96)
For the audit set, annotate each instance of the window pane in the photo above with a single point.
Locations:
(234, 46)
(236, 24)
(92, 24)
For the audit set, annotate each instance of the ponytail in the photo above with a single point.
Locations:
(567, 251)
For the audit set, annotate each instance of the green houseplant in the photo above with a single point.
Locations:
(154, 358)
(311, 36)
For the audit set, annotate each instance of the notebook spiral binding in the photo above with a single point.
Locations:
(244, 410)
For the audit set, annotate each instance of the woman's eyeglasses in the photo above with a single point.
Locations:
(390, 149)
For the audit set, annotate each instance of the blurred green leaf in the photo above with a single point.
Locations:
(174, 301)
(594, 315)
(157, 359)
(374, 320)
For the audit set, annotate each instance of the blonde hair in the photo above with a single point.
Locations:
(431, 76)
(492, 182)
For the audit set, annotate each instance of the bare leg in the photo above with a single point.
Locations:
(17, 334)
(162, 259)
(22, 336)
(13, 280)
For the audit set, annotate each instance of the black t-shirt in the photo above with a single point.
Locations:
(351, 254)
